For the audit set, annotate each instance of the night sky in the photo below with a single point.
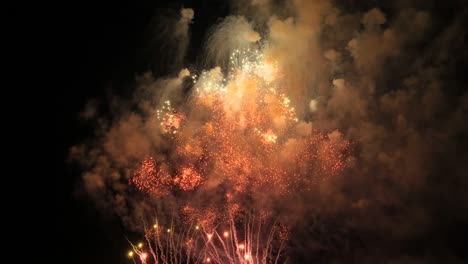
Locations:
(109, 43)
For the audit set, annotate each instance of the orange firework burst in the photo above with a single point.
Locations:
(152, 178)
(188, 179)
(238, 139)
(250, 139)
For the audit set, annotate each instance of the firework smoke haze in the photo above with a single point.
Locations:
(347, 123)
(168, 39)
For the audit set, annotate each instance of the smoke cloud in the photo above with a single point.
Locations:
(384, 78)
(168, 37)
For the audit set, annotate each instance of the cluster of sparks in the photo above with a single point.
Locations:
(260, 241)
(240, 136)
(170, 120)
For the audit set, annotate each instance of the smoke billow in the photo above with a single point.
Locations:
(381, 110)
(222, 42)
(168, 40)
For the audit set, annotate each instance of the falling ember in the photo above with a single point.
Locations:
(241, 246)
(130, 254)
(208, 260)
(143, 256)
(226, 234)
(209, 236)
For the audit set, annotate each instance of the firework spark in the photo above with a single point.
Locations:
(152, 177)
(170, 120)
(257, 240)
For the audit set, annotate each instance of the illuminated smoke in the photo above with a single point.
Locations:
(237, 136)
(322, 124)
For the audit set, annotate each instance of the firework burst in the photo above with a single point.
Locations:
(248, 138)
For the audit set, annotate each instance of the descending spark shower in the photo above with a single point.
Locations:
(247, 139)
